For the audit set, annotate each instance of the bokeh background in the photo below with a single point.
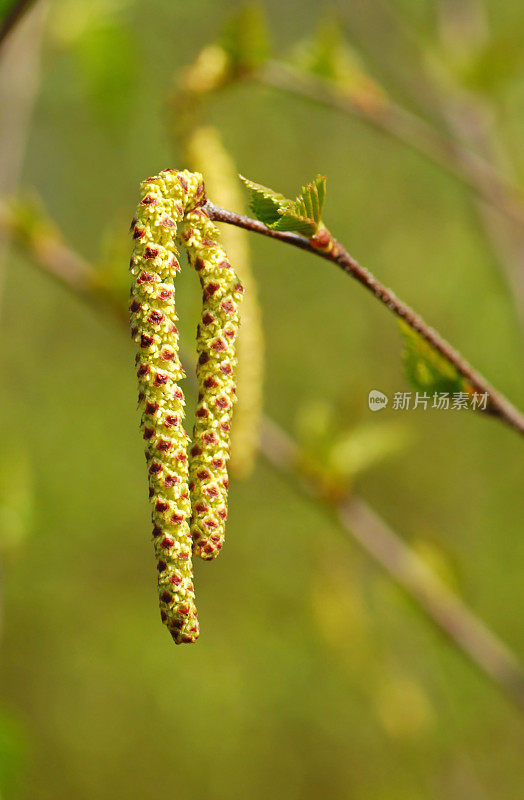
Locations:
(315, 675)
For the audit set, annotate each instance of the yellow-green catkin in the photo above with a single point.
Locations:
(170, 213)
(207, 154)
(216, 337)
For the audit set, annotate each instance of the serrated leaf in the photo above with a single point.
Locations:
(291, 222)
(426, 369)
(301, 215)
(310, 203)
(265, 204)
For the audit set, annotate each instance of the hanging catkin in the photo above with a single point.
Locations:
(206, 153)
(169, 213)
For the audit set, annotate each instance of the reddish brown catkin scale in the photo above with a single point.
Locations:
(170, 199)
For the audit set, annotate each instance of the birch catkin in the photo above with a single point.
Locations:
(206, 153)
(170, 213)
(216, 335)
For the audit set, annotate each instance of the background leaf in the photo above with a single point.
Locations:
(246, 38)
(426, 369)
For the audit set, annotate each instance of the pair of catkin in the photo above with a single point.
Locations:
(188, 496)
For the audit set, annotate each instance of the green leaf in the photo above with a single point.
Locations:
(265, 204)
(310, 203)
(292, 222)
(336, 452)
(328, 55)
(246, 38)
(302, 215)
(426, 369)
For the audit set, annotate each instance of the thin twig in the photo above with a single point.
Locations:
(20, 74)
(493, 190)
(471, 120)
(60, 262)
(409, 129)
(484, 171)
(15, 12)
(18, 90)
(497, 404)
(357, 520)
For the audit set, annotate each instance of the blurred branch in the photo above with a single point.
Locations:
(50, 253)
(19, 81)
(463, 25)
(409, 129)
(464, 29)
(497, 405)
(13, 15)
(450, 614)
(358, 521)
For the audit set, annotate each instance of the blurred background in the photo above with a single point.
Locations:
(322, 669)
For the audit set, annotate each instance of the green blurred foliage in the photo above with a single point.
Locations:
(328, 55)
(335, 451)
(106, 51)
(16, 504)
(498, 63)
(245, 38)
(5, 7)
(13, 754)
(314, 676)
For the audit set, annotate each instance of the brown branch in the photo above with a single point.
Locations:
(15, 12)
(497, 404)
(357, 520)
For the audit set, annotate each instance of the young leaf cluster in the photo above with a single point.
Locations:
(301, 215)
